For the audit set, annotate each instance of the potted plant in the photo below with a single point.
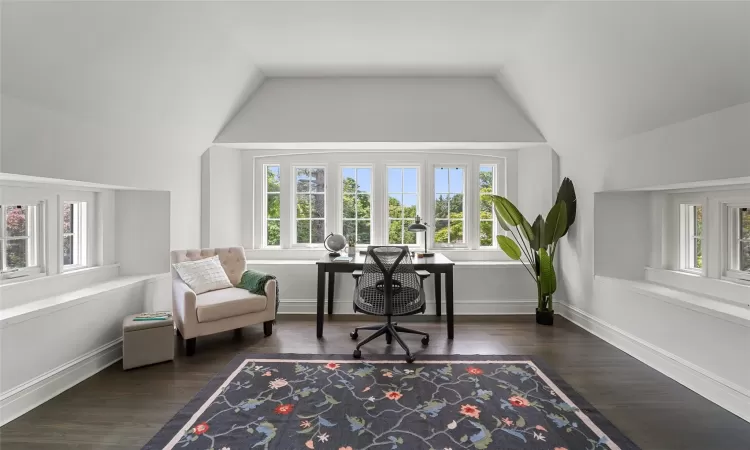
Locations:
(352, 242)
(535, 244)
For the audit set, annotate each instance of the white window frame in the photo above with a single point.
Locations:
(495, 229)
(386, 209)
(264, 212)
(465, 209)
(293, 205)
(340, 203)
(688, 237)
(732, 240)
(80, 237)
(35, 239)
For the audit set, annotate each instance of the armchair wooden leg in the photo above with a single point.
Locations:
(268, 328)
(190, 347)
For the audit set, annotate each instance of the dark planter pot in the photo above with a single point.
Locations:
(545, 317)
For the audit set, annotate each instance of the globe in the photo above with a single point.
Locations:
(334, 243)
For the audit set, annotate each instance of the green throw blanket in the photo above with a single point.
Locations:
(255, 282)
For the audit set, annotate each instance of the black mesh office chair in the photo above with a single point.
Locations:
(389, 286)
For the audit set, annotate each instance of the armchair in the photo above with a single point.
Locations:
(223, 309)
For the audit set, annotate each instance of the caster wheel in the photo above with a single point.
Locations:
(353, 335)
(409, 359)
(425, 340)
(357, 354)
(388, 339)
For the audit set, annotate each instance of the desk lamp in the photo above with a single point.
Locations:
(418, 227)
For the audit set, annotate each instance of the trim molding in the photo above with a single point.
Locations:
(461, 308)
(724, 393)
(27, 396)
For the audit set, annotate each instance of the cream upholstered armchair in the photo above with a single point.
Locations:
(220, 310)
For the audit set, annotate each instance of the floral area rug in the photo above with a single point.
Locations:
(336, 403)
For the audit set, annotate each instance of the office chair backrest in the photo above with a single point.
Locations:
(390, 270)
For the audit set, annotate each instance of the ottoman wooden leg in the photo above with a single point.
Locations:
(268, 328)
(190, 346)
(238, 333)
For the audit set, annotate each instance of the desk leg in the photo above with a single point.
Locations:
(449, 300)
(321, 297)
(331, 281)
(438, 295)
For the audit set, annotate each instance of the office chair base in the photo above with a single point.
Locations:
(391, 331)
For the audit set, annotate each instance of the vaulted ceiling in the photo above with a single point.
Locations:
(583, 72)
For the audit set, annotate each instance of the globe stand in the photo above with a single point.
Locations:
(332, 246)
(334, 254)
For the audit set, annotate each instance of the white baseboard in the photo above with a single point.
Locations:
(463, 307)
(724, 393)
(24, 398)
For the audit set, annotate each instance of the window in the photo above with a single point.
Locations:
(739, 241)
(403, 193)
(310, 211)
(486, 211)
(19, 240)
(356, 203)
(272, 226)
(449, 206)
(692, 232)
(74, 252)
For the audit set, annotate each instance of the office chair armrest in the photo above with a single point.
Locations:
(423, 274)
(356, 274)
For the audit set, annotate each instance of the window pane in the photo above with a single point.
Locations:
(698, 254)
(441, 206)
(363, 206)
(348, 177)
(744, 223)
(485, 234)
(273, 206)
(457, 232)
(364, 180)
(745, 256)
(456, 179)
(363, 232)
(410, 237)
(16, 220)
(317, 180)
(303, 231)
(394, 180)
(303, 180)
(68, 218)
(349, 206)
(410, 181)
(698, 220)
(318, 232)
(395, 229)
(303, 206)
(318, 206)
(350, 228)
(16, 256)
(485, 207)
(441, 231)
(441, 180)
(410, 206)
(456, 205)
(273, 176)
(68, 250)
(395, 208)
(273, 235)
(486, 179)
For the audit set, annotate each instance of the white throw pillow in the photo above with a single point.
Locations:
(203, 275)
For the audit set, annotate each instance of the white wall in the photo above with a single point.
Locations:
(538, 180)
(362, 109)
(222, 200)
(623, 234)
(142, 233)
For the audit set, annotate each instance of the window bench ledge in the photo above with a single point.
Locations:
(694, 301)
(24, 312)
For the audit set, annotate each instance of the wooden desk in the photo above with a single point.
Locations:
(437, 265)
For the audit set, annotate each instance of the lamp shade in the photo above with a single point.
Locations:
(417, 227)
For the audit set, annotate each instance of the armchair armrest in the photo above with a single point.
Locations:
(183, 305)
(423, 274)
(270, 289)
(356, 274)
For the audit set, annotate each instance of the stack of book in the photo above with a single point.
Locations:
(161, 315)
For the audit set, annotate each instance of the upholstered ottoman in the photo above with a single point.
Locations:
(146, 342)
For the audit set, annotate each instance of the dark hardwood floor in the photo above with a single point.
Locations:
(123, 410)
